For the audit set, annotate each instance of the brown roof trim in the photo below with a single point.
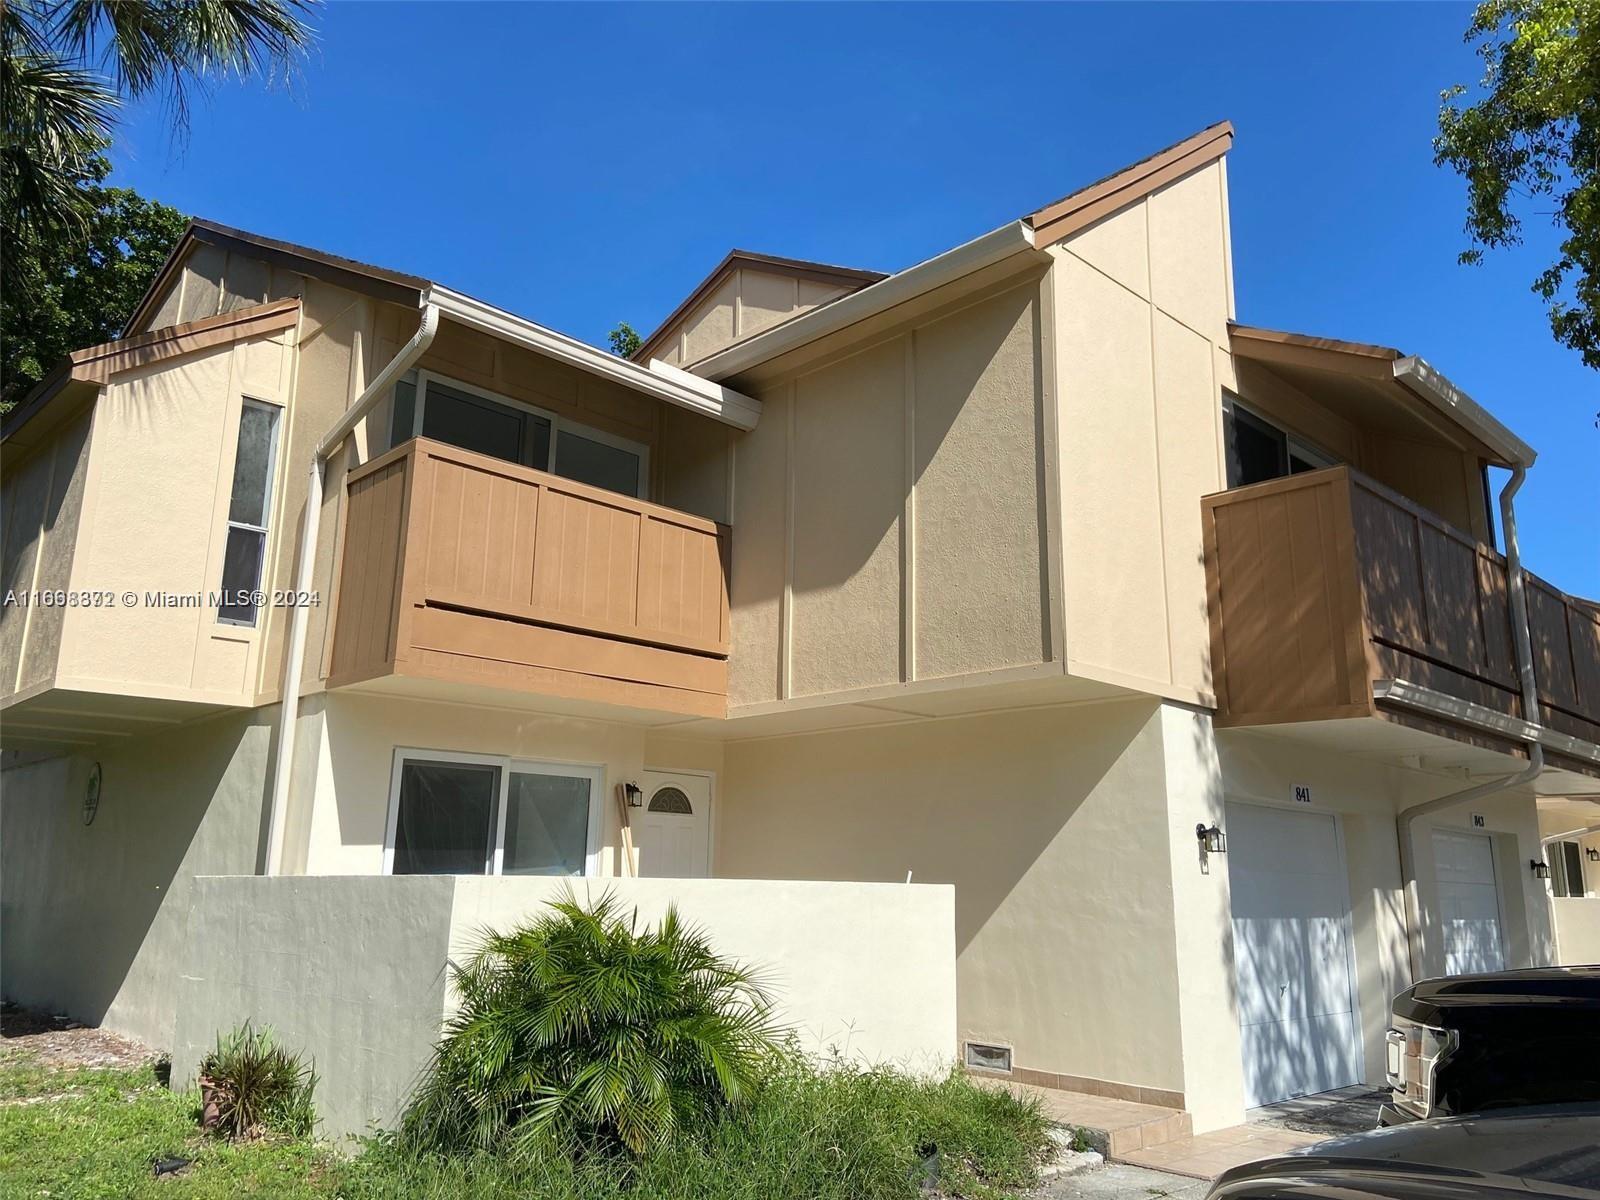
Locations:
(800, 268)
(1303, 349)
(1087, 205)
(378, 282)
(97, 364)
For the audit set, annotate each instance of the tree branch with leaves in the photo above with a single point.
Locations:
(1532, 138)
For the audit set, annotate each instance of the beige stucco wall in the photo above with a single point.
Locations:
(1577, 926)
(1140, 305)
(92, 917)
(866, 969)
(1053, 825)
(155, 507)
(742, 305)
(889, 512)
(345, 761)
(41, 505)
(364, 995)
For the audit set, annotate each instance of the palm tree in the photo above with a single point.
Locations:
(67, 63)
(580, 1032)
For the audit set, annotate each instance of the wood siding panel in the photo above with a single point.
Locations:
(522, 579)
(369, 591)
(1425, 603)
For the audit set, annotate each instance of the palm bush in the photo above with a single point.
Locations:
(251, 1086)
(579, 1032)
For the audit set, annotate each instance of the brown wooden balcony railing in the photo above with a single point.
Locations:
(1323, 584)
(459, 567)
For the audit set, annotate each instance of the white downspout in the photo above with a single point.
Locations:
(290, 700)
(1530, 715)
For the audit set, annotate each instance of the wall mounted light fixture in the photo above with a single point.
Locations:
(1541, 870)
(635, 794)
(1593, 853)
(1212, 840)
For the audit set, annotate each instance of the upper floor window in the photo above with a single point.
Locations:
(1259, 450)
(249, 509)
(473, 814)
(426, 405)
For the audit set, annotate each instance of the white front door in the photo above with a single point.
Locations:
(672, 828)
(1469, 903)
(1298, 1026)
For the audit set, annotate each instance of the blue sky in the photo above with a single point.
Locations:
(583, 165)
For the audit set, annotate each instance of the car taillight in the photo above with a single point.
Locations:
(1415, 1053)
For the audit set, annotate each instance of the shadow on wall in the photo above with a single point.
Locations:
(95, 914)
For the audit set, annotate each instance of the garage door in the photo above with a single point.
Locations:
(1298, 1028)
(1469, 903)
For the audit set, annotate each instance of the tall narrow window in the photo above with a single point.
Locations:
(1566, 869)
(249, 508)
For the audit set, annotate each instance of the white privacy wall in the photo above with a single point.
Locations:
(351, 970)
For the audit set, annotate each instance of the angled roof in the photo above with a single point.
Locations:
(1064, 217)
(1387, 375)
(1032, 232)
(847, 277)
(379, 282)
(97, 364)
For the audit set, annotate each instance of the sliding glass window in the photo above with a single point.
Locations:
(454, 814)
(426, 405)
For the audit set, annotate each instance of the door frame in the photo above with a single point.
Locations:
(711, 808)
(1352, 972)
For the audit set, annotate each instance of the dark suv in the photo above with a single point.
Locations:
(1472, 1043)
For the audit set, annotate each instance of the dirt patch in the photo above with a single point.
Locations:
(60, 1042)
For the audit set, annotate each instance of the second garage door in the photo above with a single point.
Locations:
(1469, 903)
(1298, 1027)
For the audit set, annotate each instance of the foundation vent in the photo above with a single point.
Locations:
(981, 1057)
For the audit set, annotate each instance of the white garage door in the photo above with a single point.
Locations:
(1469, 904)
(1298, 1027)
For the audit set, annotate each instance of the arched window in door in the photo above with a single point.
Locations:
(671, 800)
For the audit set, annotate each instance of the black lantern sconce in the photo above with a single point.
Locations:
(635, 794)
(1212, 840)
(1594, 854)
(1541, 870)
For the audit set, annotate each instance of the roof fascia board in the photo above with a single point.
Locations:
(1432, 386)
(1446, 406)
(991, 248)
(733, 261)
(1084, 207)
(97, 364)
(701, 396)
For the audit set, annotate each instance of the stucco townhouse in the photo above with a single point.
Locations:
(1031, 663)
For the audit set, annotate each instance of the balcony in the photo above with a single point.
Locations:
(1334, 599)
(463, 569)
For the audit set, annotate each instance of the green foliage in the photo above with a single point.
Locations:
(1535, 133)
(808, 1134)
(579, 1032)
(625, 340)
(93, 1135)
(836, 1133)
(59, 107)
(63, 292)
(257, 1086)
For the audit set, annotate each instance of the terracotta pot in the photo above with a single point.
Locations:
(212, 1095)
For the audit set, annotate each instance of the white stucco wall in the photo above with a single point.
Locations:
(1577, 925)
(92, 917)
(352, 971)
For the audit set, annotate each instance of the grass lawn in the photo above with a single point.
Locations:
(84, 1134)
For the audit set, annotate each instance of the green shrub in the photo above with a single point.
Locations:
(580, 1033)
(808, 1133)
(251, 1086)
